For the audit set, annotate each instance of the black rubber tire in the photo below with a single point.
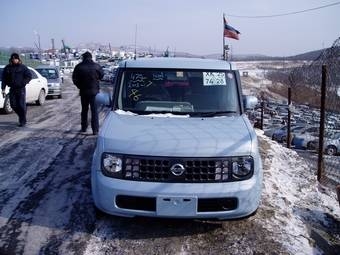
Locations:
(41, 97)
(331, 150)
(309, 146)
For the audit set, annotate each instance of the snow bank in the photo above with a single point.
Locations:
(290, 190)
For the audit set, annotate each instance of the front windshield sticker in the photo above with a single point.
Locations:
(179, 74)
(51, 71)
(214, 79)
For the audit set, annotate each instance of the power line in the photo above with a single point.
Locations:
(283, 14)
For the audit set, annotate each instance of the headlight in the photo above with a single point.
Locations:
(242, 167)
(111, 164)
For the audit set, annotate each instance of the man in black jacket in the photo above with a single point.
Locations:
(16, 76)
(86, 77)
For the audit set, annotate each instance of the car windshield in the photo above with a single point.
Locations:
(194, 92)
(48, 73)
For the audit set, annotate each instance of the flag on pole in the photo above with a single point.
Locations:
(229, 31)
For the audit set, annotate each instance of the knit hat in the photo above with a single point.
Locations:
(15, 56)
(87, 55)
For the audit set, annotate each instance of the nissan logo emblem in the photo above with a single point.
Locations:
(177, 169)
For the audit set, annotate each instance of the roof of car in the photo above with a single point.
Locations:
(46, 67)
(185, 63)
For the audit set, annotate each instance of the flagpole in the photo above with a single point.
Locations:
(223, 51)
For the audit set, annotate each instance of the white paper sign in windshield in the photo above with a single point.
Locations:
(214, 79)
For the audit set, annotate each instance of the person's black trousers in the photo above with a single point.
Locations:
(17, 99)
(85, 102)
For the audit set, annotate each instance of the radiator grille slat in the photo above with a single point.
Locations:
(158, 169)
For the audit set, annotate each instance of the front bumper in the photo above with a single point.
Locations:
(176, 200)
(54, 90)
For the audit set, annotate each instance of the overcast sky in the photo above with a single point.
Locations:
(193, 26)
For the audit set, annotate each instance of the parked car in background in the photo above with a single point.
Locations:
(331, 144)
(280, 135)
(36, 90)
(302, 139)
(54, 79)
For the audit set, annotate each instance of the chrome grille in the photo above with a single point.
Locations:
(196, 170)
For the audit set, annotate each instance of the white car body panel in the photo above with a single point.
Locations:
(33, 88)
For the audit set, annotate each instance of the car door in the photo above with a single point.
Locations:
(33, 87)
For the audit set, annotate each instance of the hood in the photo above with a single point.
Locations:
(176, 135)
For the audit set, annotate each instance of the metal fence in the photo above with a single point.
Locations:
(324, 76)
(317, 85)
(312, 93)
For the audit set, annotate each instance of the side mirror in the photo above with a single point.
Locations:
(103, 99)
(249, 102)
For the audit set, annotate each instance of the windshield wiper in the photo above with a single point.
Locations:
(210, 114)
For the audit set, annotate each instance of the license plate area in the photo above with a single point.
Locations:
(176, 206)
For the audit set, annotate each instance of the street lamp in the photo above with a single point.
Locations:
(38, 46)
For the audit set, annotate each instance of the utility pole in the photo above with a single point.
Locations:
(38, 46)
(64, 46)
(135, 43)
(53, 48)
(289, 116)
(322, 123)
(110, 49)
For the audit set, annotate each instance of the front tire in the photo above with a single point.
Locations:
(284, 139)
(41, 98)
(331, 150)
(310, 146)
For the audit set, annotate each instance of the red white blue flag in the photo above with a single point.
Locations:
(229, 31)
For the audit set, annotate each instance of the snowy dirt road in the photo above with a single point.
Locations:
(46, 204)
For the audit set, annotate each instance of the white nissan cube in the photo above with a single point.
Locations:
(177, 143)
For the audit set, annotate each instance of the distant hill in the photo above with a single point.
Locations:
(311, 55)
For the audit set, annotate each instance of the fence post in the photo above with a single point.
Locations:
(262, 113)
(288, 121)
(322, 123)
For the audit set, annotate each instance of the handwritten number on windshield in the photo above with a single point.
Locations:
(134, 94)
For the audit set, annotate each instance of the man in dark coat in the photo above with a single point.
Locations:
(16, 76)
(86, 76)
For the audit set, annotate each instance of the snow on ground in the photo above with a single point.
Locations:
(291, 192)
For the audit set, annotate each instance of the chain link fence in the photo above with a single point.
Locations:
(314, 88)
(326, 84)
